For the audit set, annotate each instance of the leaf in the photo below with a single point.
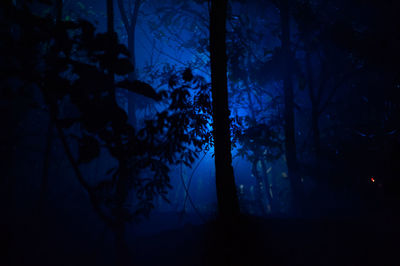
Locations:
(89, 148)
(172, 82)
(87, 28)
(187, 75)
(139, 87)
(121, 49)
(122, 66)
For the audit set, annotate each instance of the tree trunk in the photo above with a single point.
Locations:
(121, 198)
(268, 187)
(122, 186)
(290, 141)
(58, 8)
(110, 17)
(228, 204)
(132, 32)
(314, 108)
(111, 35)
(46, 165)
(130, 97)
(316, 132)
(131, 49)
(258, 191)
(130, 27)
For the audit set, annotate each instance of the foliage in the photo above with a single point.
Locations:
(260, 142)
(72, 67)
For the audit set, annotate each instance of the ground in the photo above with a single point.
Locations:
(167, 240)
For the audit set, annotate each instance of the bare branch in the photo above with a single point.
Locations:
(123, 13)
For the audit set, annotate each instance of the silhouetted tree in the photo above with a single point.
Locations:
(44, 54)
(290, 136)
(228, 204)
(129, 19)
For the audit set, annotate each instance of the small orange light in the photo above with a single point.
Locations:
(372, 180)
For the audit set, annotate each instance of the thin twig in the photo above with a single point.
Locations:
(189, 198)
(191, 177)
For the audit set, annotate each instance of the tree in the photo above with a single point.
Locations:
(290, 140)
(228, 204)
(87, 117)
(129, 20)
(252, 71)
(327, 67)
(58, 8)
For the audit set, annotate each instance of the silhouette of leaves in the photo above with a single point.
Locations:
(139, 87)
(89, 149)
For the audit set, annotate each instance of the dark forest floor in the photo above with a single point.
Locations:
(258, 241)
(278, 242)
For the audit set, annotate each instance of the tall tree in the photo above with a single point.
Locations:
(290, 141)
(122, 182)
(129, 19)
(58, 11)
(102, 123)
(228, 204)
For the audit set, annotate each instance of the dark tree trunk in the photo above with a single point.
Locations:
(59, 10)
(261, 177)
(130, 27)
(290, 141)
(131, 48)
(314, 97)
(8, 162)
(45, 170)
(111, 35)
(110, 17)
(132, 33)
(316, 132)
(258, 191)
(132, 76)
(268, 187)
(228, 204)
(119, 228)
(130, 21)
(122, 182)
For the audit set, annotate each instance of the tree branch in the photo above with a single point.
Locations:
(96, 206)
(335, 88)
(123, 13)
